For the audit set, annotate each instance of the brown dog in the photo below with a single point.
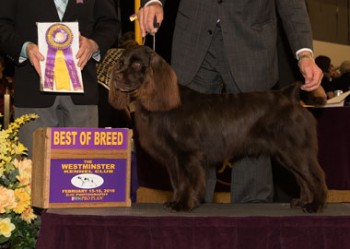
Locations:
(187, 131)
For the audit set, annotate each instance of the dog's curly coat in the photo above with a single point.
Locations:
(186, 131)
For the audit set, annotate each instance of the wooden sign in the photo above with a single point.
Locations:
(81, 167)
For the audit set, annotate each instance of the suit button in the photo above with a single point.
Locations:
(220, 1)
(210, 32)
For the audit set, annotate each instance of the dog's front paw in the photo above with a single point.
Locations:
(176, 206)
(295, 203)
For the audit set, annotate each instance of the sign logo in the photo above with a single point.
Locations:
(87, 181)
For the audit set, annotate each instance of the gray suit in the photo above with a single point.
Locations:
(249, 30)
(231, 45)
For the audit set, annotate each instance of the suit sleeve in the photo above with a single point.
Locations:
(107, 25)
(10, 41)
(296, 23)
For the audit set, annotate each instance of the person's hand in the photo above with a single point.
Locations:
(34, 56)
(150, 18)
(312, 73)
(87, 48)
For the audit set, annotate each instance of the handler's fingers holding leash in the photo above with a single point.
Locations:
(150, 18)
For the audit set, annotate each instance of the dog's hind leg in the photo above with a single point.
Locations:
(188, 180)
(315, 180)
(310, 177)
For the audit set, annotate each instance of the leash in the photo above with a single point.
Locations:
(153, 41)
(156, 25)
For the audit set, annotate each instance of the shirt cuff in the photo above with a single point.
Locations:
(153, 1)
(302, 50)
(23, 56)
(97, 56)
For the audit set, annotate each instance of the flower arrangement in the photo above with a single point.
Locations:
(18, 223)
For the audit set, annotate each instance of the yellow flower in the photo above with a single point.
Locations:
(21, 148)
(4, 144)
(25, 170)
(22, 196)
(17, 219)
(28, 215)
(6, 227)
(7, 199)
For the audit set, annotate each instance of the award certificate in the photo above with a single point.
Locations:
(59, 43)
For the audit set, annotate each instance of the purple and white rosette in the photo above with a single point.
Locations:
(60, 37)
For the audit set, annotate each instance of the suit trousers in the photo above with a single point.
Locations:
(251, 179)
(63, 113)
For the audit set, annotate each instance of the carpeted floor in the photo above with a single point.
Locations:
(227, 210)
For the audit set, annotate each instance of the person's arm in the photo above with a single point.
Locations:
(106, 27)
(105, 32)
(31, 52)
(150, 16)
(148, 2)
(10, 41)
(311, 72)
(297, 27)
(87, 48)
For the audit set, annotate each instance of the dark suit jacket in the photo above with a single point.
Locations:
(250, 36)
(97, 21)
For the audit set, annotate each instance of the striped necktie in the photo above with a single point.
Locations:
(61, 7)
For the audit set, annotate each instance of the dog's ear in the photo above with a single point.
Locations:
(116, 99)
(160, 90)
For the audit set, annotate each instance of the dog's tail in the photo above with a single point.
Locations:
(316, 97)
(292, 91)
